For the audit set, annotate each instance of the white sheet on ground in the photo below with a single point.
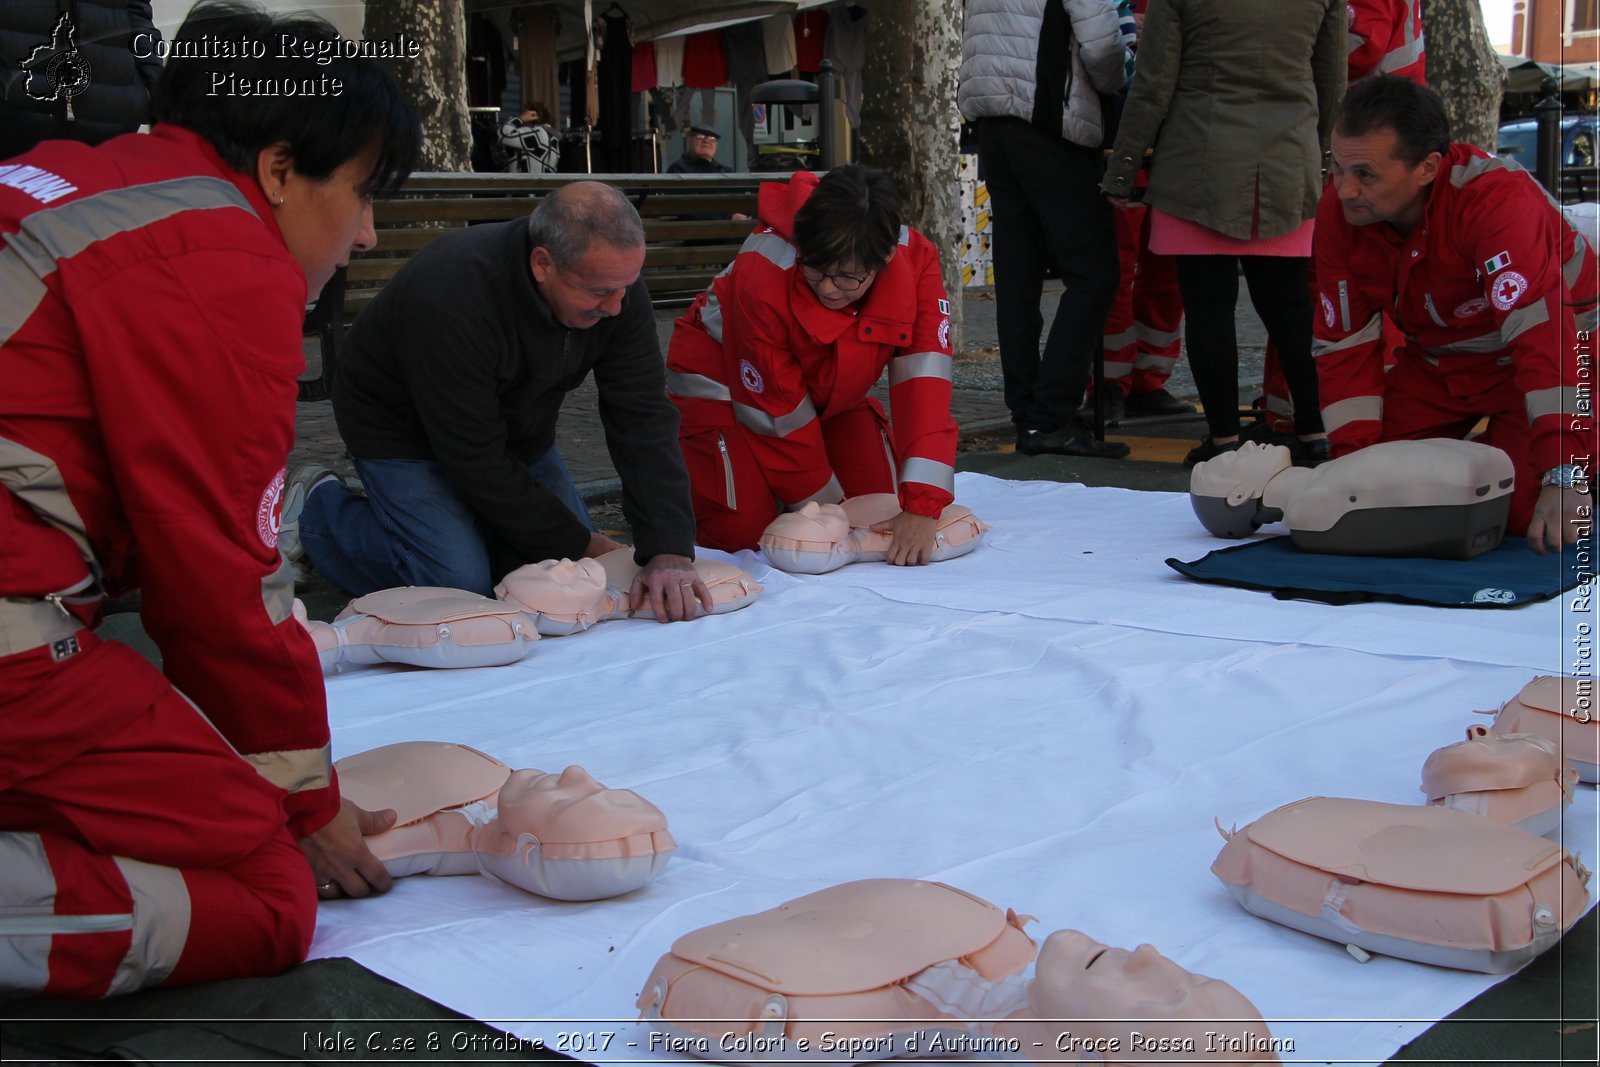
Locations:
(1050, 722)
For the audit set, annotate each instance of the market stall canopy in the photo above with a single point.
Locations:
(1524, 75)
(650, 19)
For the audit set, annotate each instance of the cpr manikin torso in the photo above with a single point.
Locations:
(422, 626)
(460, 811)
(894, 967)
(568, 596)
(1440, 498)
(819, 538)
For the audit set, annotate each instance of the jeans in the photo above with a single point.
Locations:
(1044, 193)
(412, 527)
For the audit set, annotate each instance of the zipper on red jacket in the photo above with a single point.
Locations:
(727, 473)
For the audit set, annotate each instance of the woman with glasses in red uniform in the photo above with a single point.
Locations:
(772, 367)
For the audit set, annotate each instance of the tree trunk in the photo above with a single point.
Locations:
(436, 81)
(909, 124)
(1463, 69)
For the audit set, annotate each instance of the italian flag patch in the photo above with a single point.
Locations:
(1500, 262)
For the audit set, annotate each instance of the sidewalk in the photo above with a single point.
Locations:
(977, 404)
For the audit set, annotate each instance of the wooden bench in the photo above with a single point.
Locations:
(689, 236)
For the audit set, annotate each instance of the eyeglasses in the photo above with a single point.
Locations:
(705, 136)
(845, 283)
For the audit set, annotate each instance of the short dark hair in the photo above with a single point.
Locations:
(324, 129)
(573, 217)
(1388, 102)
(852, 215)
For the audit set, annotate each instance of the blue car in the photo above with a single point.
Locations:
(1580, 138)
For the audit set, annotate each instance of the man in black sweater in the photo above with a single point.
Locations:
(448, 403)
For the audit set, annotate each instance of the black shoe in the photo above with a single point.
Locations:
(1073, 439)
(1311, 453)
(1114, 406)
(1158, 402)
(1208, 449)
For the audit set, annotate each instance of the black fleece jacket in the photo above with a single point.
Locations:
(459, 360)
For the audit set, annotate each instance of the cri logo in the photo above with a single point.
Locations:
(1508, 289)
(269, 513)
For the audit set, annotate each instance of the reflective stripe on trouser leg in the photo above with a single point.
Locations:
(77, 923)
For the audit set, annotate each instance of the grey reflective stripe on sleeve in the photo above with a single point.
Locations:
(1113, 341)
(37, 482)
(1484, 342)
(277, 592)
(30, 255)
(1572, 270)
(711, 316)
(920, 365)
(771, 247)
(1152, 336)
(1522, 320)
(27, 893)
(295, 771)
(831, 493)
(1588, 320)
(1560, 400)
(757, 421)
(692, 386)
(1370, 332)
(1462, 174)
(905, 236)
(1405, 55)
(929, 472)
(1356, 409)
(161, 912)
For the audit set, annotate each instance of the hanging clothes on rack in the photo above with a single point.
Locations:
(616, 92)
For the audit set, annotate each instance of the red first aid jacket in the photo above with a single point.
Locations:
(1486, 290)
(1386, 37)
(150, 321)
(757, 349)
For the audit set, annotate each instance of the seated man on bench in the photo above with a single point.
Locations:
(448, 402)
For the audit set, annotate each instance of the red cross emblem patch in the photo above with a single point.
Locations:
(1507, 289)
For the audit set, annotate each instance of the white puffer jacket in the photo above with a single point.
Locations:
(1025, 59)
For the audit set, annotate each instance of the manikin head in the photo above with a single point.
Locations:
(1226, 491)
(588, 248)
(571, 807)
(1388, 144)
(1105, 992)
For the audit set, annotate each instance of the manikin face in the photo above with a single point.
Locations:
(572, 807)
(1240, 475)
(1080, 980)
(591, 289)
(814, 522)
(1374, 186)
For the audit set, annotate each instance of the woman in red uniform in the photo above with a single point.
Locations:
(772, 367)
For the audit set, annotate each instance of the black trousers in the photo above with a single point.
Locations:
(1046, 205)
(1278, 292)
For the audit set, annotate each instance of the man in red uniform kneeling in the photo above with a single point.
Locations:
(1493, 288)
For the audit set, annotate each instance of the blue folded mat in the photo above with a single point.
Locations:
(1506, 577)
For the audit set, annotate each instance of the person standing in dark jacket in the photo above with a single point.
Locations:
(116, 45)
(448, 404)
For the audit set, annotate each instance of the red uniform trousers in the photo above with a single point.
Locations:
(136, 846)
(733, 502)
(1143, 329)
(1417, 405)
